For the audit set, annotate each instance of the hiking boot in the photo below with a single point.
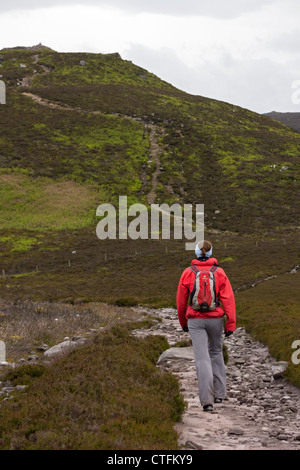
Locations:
(208, 408)
(218, 400)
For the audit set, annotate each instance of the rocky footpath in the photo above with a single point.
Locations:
(260, 411)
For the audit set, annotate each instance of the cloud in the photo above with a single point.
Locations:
(287, 42)
(213, 8)
(164, 63)
(251, 60)
(260, 85)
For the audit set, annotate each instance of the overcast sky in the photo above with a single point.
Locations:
(246, 52)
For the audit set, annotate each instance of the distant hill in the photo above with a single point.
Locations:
(289, 119)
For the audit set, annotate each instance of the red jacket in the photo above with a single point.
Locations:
(223, 290)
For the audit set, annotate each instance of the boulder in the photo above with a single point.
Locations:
(278, 368)
(64, 347)
(186, 354)
(2, 352)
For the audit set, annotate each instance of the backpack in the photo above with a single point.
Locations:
(203, 296)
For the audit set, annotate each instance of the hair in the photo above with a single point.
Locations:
(206, 246)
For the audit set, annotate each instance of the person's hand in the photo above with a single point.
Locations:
(185, 328)
(227, 333)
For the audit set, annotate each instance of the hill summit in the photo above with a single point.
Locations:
(37, 47)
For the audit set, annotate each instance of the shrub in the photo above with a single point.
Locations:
(108, 395)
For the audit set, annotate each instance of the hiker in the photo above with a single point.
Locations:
(207, 284)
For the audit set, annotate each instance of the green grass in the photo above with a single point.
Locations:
(108, 395)
(106, 154)
(99, 68)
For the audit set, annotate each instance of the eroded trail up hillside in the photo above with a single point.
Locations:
(152, 130)
(261, 409)
(155, 151)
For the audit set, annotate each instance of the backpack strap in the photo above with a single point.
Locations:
(194, 269)
(213, 268)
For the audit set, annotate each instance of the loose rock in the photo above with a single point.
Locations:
(260, 410)
(60, 348)
(236, 431)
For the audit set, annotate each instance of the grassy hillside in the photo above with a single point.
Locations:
(235, 161)
(89, 141)
(81, 129)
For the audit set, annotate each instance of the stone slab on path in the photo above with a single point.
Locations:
(261, 410)
(185, 354)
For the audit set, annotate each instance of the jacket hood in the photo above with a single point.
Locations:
(208, 262)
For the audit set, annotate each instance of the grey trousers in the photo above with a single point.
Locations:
(206, 335)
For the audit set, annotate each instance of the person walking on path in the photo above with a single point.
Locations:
(210, 299)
